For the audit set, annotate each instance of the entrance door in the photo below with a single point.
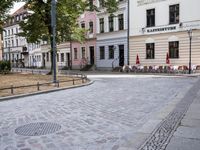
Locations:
(121, 55)
(92, 55)
(43, 60)
(68, 60)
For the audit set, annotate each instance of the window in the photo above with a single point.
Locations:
(12, 43)
(121, 21)
(62, 57)
(101, 21)
(83, 52)
(21, 17)
(174, 49)
(75, 53)
(17, 42)
(102, 52)
(111, 23)
(174, 14)
(83, 25)
(17, 18)
(13, 57)
(58, 58)
(150, 17)
(6, 44)
(47, 56)
(91, 27)
(150, 51)
(101, 3)
(111, 52)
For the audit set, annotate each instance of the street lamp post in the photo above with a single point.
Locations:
(190, 51)
(53, 26)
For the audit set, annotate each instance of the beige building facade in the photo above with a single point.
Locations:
(163, 27)
(161, 48)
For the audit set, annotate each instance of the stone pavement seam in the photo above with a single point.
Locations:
(44, 92)
(161, 136)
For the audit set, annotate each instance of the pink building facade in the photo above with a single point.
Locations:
(85, 53)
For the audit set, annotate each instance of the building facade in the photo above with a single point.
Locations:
(15, 47)
(63, 55)
(35, 55)
(112, 50)
(162, 26)
(84, 53)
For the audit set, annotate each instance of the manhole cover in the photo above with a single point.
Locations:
(36, 129)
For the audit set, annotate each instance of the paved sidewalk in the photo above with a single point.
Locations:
(111, 114)
(100, 74)
(187, 136)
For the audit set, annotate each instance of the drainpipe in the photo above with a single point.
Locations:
(128, 31)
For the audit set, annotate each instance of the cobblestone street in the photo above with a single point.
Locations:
(103, 116)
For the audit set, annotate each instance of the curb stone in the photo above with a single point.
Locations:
(44, 92)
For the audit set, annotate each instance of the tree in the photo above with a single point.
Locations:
(37, 26)
(4, 8)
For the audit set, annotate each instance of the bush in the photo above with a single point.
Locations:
(5, 67)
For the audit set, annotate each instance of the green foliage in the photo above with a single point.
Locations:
(5, 5)
(5, 67)
(37, 26)
(111, 6)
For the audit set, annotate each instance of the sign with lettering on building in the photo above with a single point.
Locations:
(190, 25)
(161, 29)
(145, 2)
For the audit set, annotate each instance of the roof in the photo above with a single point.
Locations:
(20, 11)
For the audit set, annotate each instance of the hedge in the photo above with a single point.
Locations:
(5, 67)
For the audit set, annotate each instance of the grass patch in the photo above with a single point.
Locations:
(15, 80)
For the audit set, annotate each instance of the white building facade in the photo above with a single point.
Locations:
(63, 56)
(35, 55)
(15, 47)
(158, 27)
(111, 37)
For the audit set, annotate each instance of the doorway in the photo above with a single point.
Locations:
(68, 60)
(121, 55)
(92, 55)
(43, 60)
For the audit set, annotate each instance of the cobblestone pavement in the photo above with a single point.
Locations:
(102, 116)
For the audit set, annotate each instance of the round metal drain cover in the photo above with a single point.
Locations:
(37, 129)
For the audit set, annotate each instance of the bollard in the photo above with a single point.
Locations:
(12, 91)
(86, 78)
(73, 81)
(38, 86)
(82, 79)
(58, 85)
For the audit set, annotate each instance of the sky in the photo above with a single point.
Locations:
(16, 6)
